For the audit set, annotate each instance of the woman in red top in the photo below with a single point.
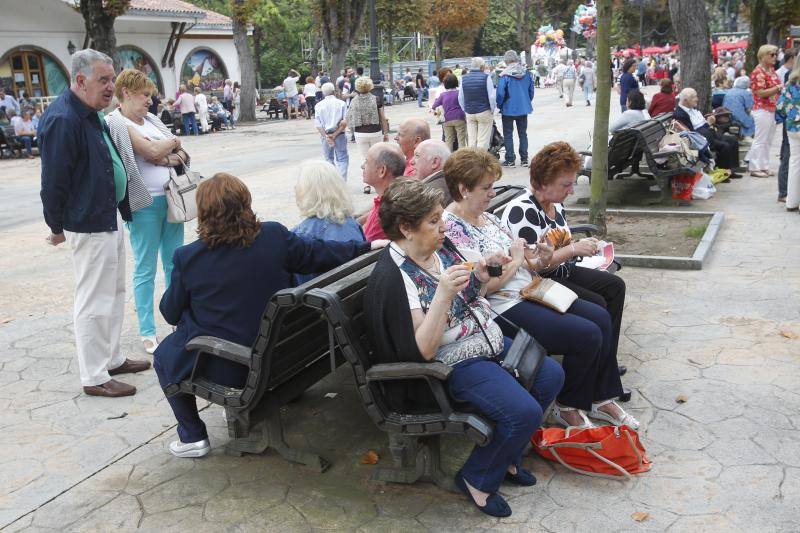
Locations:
(664, 101)
(766, 87)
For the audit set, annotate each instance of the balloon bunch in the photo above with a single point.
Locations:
(584, 22)
(547, 37)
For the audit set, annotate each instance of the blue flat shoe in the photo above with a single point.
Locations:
(522, 477)
(495, 504)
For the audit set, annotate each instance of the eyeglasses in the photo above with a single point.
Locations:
(773, 54)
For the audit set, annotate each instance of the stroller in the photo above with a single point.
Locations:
(497, 142)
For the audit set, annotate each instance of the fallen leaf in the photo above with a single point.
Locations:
(640, 516)
(369, 458)
(693, 361)
(123, 415)
(681, 398)
(788, 334)
(6, 320)
(331, 394)
(666, 311)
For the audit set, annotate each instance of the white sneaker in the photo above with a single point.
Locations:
(150, 343)
(190, 449)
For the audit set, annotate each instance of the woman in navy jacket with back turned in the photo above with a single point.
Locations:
(221, 284)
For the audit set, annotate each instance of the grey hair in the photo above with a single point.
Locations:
(84, 60)
(392, 158)
(435, 148)
(328, 89)
(684, 94)
(477, 63)
(742, 82)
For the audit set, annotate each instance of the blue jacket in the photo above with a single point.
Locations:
(626, 83)
(515, 95)
(78, 192)
(223, 292)
(327, 230)
(740, 102)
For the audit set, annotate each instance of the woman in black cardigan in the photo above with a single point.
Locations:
(221, 284)
(424, 303)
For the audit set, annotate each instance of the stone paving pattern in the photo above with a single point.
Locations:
(728, 459)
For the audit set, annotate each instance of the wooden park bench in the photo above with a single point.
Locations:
(9, 142)
(414, 438)
(274, 109)
(289, 355)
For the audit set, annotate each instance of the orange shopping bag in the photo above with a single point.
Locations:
(605, 451)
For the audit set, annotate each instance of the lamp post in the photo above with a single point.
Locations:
(374, 64)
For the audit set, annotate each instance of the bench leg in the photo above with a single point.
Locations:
(269, 434)
(415, 459)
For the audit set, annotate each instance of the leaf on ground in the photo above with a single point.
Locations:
(667, 311)
(331, 394)
(640, 516)
(681, 398)
(123, 415)
(693, 361)
(6, 320)
(369, 458)
(788, 334)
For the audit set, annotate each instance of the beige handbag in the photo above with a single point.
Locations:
(181, 192)
(548, 293)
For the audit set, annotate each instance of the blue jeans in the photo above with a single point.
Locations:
(420, 94)
(150, 232)
(517, 413)
(339, 150)
(189, 121)
(584, 336)
(783, 170)
(587, 92)
(508, 137)
(27, 141)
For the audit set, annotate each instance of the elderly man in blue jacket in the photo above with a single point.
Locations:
(515, 101)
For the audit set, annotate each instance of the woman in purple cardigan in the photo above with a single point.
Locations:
(455, 125)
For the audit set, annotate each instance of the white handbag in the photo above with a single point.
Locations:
(549, 293)
(181, 192)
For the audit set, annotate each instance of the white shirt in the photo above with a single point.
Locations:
(153, 176)
(310, 89)
(695, 116)
(731, 73)
(201, 103)
(290, 86)
(329, 112)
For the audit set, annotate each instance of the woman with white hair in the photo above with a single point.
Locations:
(789, 106)
(766, 87)
(365, 116)
(322, 198)
(739, 100)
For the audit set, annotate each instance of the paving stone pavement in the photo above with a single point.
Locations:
(728, 459)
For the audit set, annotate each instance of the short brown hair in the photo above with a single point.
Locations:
(467, 167)
(406, 201)
(224, 215)
(309, 79)
(133, 80)
(666, 86)
(443, 72)
(552, 161)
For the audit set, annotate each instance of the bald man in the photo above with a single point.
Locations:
(410, 133)
(383, 164)
(427, 165)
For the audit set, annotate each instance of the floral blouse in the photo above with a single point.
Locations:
(761, 79)
(462, 338)
(789, 106)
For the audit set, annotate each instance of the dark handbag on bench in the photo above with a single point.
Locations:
(524, 358)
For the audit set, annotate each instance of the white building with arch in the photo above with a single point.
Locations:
(171, 40)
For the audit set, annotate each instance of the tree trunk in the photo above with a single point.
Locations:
(99, 24)
(390, 35)
(247, 106)
(315, 55)
(597, 201)
(759, 28)
(257, 35)
(338, 55)
(690, 20)
(439, 48)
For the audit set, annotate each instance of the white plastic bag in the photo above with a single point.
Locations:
(703, 188)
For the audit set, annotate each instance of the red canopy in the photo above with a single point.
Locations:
(650, 50)
(732, 45)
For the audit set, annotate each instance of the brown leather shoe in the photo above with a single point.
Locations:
(130, 366)
(110, 389)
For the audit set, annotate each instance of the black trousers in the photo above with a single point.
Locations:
(604, 289)
(726, 147)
